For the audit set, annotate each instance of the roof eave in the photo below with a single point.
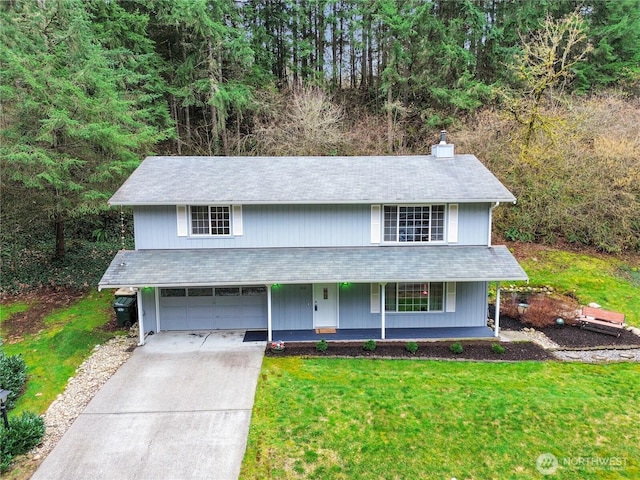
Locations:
(307, 282)
(311, 202)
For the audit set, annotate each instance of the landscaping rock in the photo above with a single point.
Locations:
(90, 376)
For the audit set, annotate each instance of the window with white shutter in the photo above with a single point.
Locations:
(452, 230)
(237, 220)
(451, 297)
(375, 223)
(375, 298)
(183, 220)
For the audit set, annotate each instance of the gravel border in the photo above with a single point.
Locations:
(624, 353)
(94, 372)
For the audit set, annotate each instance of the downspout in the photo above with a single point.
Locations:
(157, 300)
(383, 318)
(495, 204)
(269, 320)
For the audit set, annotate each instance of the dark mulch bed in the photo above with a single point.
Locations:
(473, 350)
(572, 336)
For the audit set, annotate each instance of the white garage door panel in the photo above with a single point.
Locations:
(197, 311)
(200, 317)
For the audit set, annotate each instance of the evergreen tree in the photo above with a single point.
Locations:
(70, 131)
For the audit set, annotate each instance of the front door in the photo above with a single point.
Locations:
(325, 305)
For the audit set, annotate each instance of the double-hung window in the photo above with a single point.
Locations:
(415, 223)
(414, 297)
(210, 220)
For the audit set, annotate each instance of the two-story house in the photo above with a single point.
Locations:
(380, 247)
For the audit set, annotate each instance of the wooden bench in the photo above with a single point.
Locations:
(603, 321)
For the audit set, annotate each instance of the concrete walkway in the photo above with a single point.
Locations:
(179, 408)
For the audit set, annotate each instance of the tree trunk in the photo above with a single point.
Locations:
(187, 127)
(213, 85)
(174, 115)
(59, 227)
(389, 119)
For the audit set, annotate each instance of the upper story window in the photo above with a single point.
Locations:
(210, 220)
(416, 223)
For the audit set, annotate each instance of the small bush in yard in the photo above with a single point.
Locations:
(456, 348)
(497, 348)
(369, 346)
(13, 375)
(24, 433)
(543, 311)
(411, 347)
(322, 345)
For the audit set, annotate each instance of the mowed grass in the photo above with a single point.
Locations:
(53, 354)
(399, 419)
(608, 281)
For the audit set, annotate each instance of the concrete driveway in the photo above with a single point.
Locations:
(179, 408)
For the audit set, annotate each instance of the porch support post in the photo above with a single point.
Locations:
(140, 318)
(496, 323)
(269, 322)
(383, 312)
(157, 299)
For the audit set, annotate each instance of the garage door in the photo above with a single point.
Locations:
(211, 308)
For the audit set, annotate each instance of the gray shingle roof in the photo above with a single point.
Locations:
(154, 268)
(247, 180)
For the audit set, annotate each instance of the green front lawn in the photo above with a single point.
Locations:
(53, 354)
(341, 418)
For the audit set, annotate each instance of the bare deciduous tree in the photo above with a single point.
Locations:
(544, 67)
(308, 124)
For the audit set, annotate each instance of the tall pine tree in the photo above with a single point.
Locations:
(70, 129)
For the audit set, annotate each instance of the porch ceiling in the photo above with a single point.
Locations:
(160, 268)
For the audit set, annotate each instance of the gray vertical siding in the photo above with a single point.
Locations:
(291, 226)
(291, 307)
(264, 226)
(355, 307)
(473, 223)
(471, 311)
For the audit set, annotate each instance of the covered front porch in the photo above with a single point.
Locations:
(359, 276)
(363, 334)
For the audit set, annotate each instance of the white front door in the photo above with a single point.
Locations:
(325, 305)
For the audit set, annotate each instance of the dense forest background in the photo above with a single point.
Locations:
(545, 92)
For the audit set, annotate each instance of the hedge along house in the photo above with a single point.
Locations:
(376, 246)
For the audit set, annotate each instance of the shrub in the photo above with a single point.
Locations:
(25, 432)
(497, 348)
(369, 346)
(13, 375)
(509, 306)
(456, 348)
(543, 311)
(322, 345)
(411, 347)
